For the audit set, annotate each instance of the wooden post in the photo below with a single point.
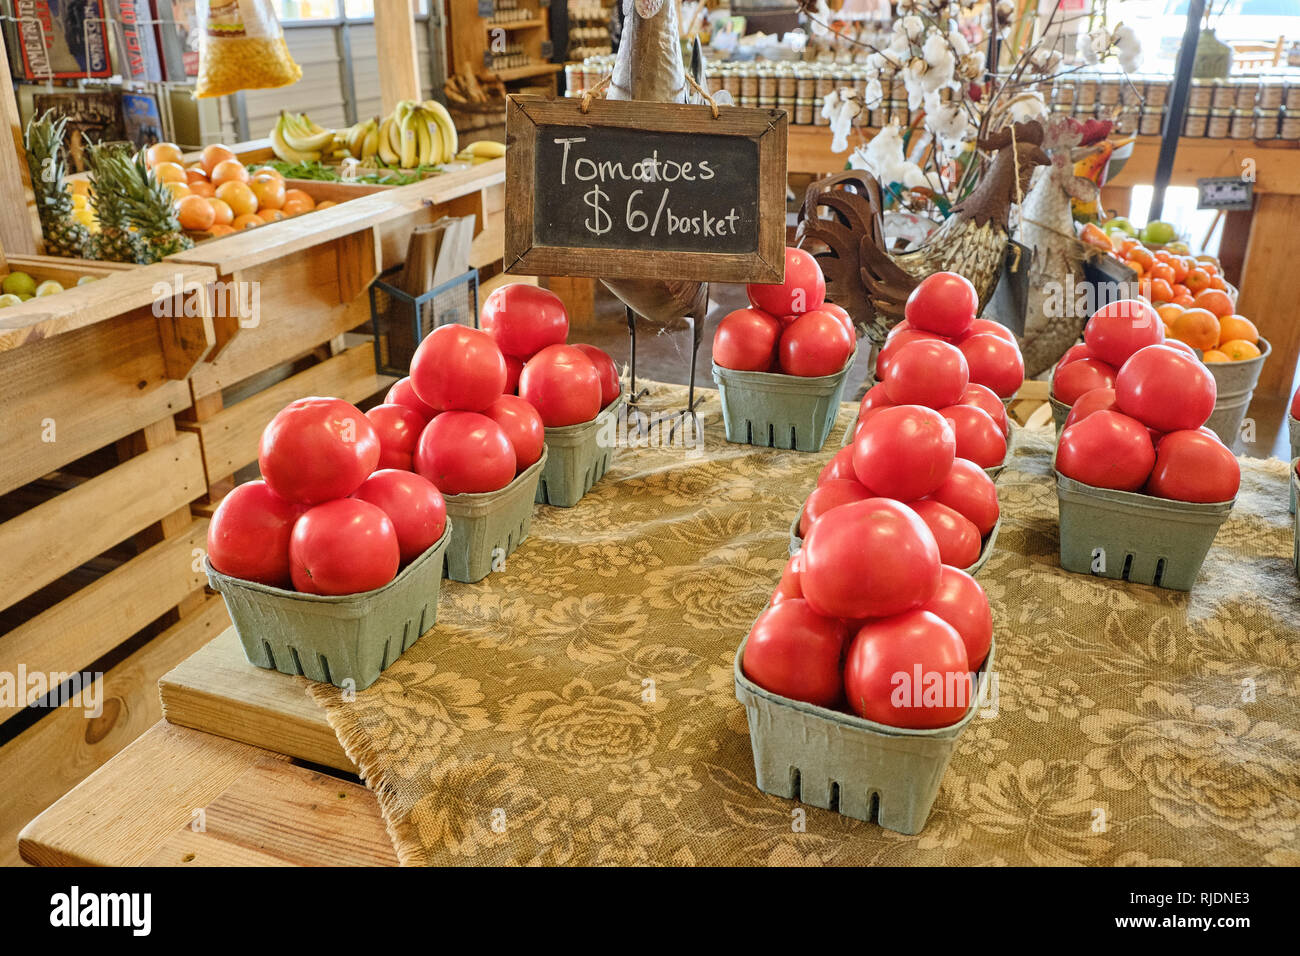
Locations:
(1273, 250)
(399, 71)
(19, 225)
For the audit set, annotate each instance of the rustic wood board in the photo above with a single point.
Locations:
(217, 691)
(68, 746)
(1267, 296)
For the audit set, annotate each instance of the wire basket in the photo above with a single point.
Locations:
(401, 320)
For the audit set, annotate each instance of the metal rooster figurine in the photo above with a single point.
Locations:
(649, 68)
(841, 225)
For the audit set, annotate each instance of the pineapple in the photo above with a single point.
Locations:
(111, 171)
(151, 209)
(43, 138)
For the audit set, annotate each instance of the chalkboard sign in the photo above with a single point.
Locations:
(644, 190)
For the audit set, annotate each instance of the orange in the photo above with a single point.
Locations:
(1232, 327)
(1181, 265)
(220, 230)
(222, 214)
(1183, 298)
(270, 215)
(178, 190)
(247, 221)
(1093, 235)
(1143, 255)
(229, 171)
(326, 204)
(1209, 264)
(296, 207)
(193, 175)
(299, 195)
(1136, 266)
(1214, 355)
(1168, 312)
(168, 172)
(1197, 280)
(162, 153)
(1198, 328)
(195, 213)
(1160, 290)
(1216, 300)
(239, 197)
(268, 190)
(1238, 350)
(1217, 282)
(203, 188)
(1163, 270)
(269, 171)
(214, 155)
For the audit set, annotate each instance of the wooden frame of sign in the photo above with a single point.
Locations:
(608, 180)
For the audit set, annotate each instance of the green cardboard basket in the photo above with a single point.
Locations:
(796, 542)
(1295, 490)
(345, 640)
(1293, 428)
(773, 410)
(836, 761)
(491, 525)
(1235, 383)
(1060, 411)
(579, 457)
(1138, 538)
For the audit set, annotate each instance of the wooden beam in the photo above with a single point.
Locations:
(1268, 286)
(399, 72)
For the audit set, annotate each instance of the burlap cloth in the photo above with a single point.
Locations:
(578, 706)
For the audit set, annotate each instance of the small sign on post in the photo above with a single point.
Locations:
(1225, 192)
(645, 190)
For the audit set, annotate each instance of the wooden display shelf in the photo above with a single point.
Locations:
(531, 24)
(525, 72)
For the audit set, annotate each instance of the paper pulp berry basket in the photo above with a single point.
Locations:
(1293, 425)
(579, 456)
(1235, 383)
(836, 761)
(335, 638)
(490, 525)
(1134, 537)
(1295, 490)
(774, 410)
(796, 542)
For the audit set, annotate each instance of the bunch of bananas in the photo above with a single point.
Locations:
(417, 134)
(481, 152)
(362, 139)
(296, 139)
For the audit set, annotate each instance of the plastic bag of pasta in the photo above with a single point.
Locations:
(242, 48)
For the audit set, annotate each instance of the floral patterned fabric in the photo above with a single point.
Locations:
(577, 707)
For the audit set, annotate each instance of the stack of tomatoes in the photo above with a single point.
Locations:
(790, 328)
(1138, 410)
(876, 590)
(328, 517)
(942, 309)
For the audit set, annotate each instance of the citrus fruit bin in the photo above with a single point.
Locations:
(579, 456)
(346, 640)
(773, 410)
(1235, 384)
(490, 525)
(836, 761)
(1138, 538)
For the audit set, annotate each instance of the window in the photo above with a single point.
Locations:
(308, 10)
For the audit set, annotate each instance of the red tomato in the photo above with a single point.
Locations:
(1295, 404)
(1166, 389)
(983, 397)
(994, 362)
(1079, 377)
(895, 343)
(524, 319)
(562, 384)
(343, 547)
(1180, 345)
(248, 537)
(843, 316)
(1096, 400)
(457, 368)
(746, 341)
(1119, 329)
(403, 394)
(465, 452)
(903, 326)
(522, 425)
(513, 367)
(606, 369)
(412, 503)
(804, 288)
(795, 652)
(399, 430)
(876, 397)
(316, 449)
(789, 586)
(945, 303)
(958, 539)
(962, 603)
(840, 466)
(910, 670)
(1106, 450)
(979, 439)
(814, 344)
(1193, 466)
(1073, 354)
(831, 494)
(933, 374)
(868, 559)
(904, 452)
(970, 492)
(995, 328)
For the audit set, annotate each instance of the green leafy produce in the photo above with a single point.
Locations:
(381, 176)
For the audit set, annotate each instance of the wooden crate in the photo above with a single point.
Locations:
(98, 544)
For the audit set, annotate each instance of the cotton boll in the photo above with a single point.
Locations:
(959, 44)
(1083, 49)
(1027, 107)
(913, 26)
(875, 92)
(913, 178)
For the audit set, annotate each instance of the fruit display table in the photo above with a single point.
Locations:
(1263, 243)
(578, 706)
